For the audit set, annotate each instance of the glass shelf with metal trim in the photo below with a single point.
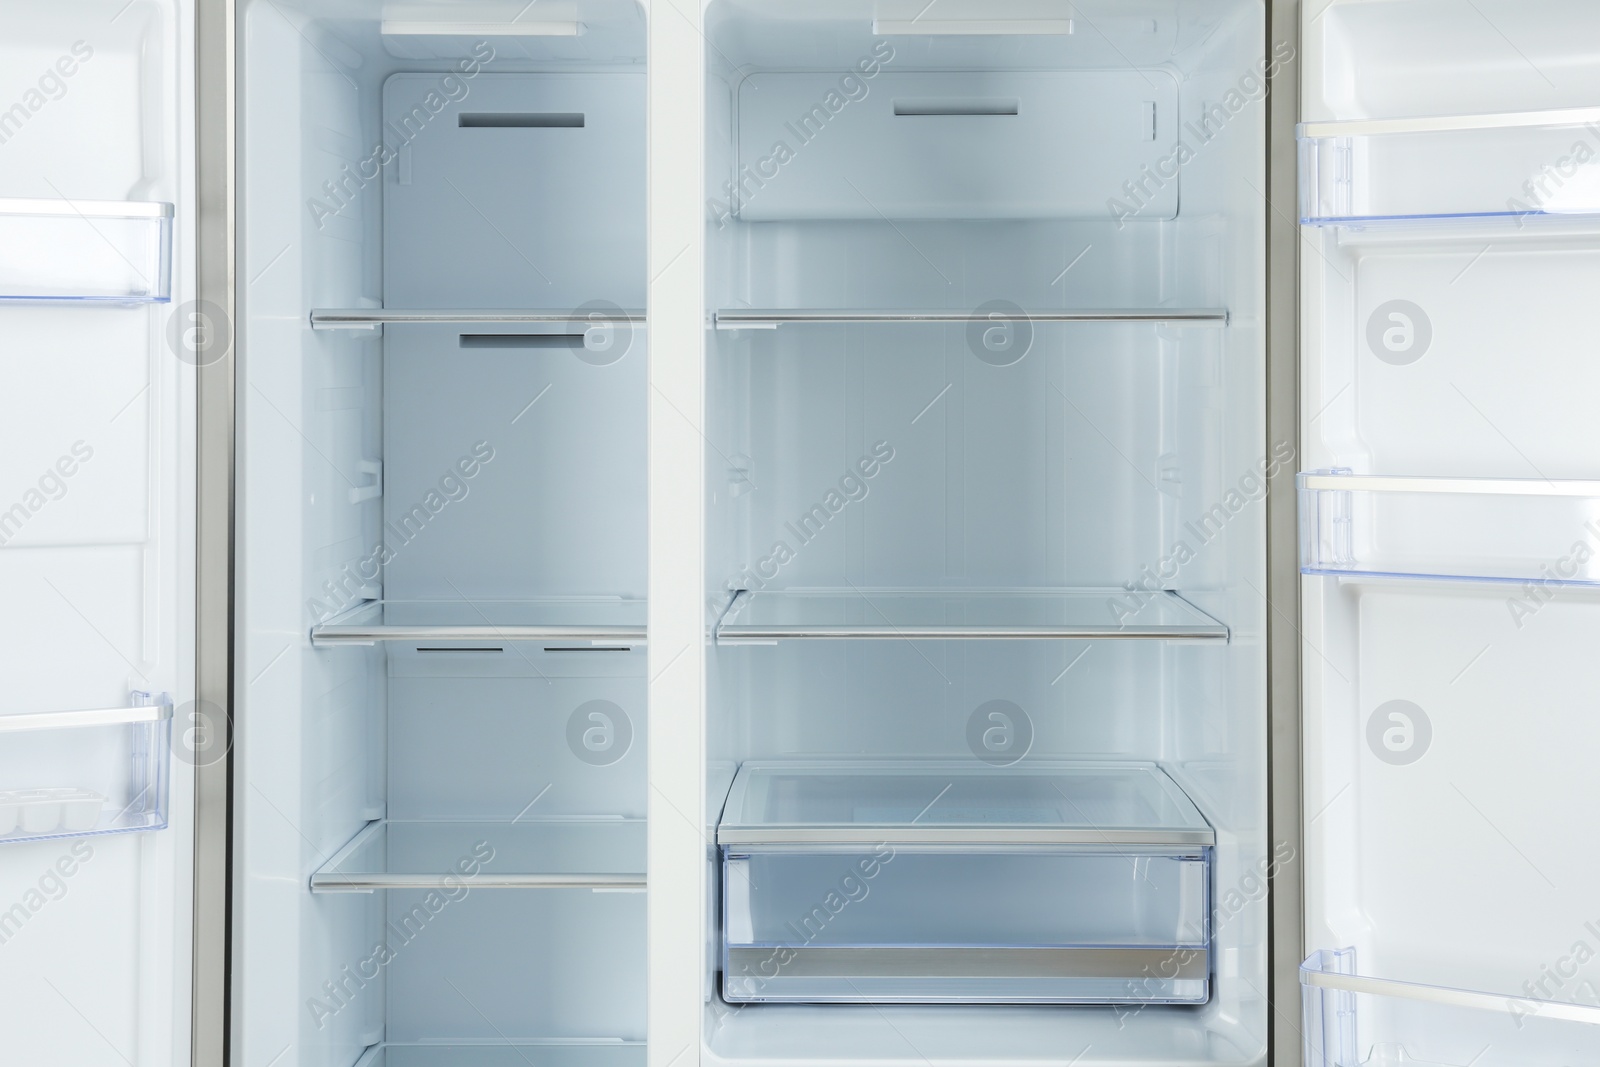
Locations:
(588, 620)
(822, 613)
(953, 882)
(1517, 530)
(594, 854)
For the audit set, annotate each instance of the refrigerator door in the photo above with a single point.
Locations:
(1452, 249)
(97, 369)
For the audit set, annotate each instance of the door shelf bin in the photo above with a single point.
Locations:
(935, 882)
(600, 854)
(1463, 166)
(1351, 1020)
(109, 252)
(75, 773)
(1466, 529)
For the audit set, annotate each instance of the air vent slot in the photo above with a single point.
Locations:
(968, 108)
(485, 648)
(520, 120)
(587, 648)
(570, 341)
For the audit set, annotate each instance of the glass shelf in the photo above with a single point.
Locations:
(76, 773)
(1462, 529)
(938, 802)
(772, 318)
(1461, 166)
(89, 251)
(1355, 1021)
(600, 1052)
(767, 616)
(595, 620)
(1042, 882)
(603, 854)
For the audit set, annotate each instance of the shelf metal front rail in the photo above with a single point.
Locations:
(366, 318)
(772, 318)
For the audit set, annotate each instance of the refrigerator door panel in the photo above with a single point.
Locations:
(1451, 253)
(97, 505)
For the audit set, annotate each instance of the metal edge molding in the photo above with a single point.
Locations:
(353, 634)
(770, 318)
(1184, 963)
(733, 634)
(361, 318)
(1285, 879)
(215, 191)
(859, 834)
(328, 882)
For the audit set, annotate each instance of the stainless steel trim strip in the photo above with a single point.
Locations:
(977, 961)
(215, 43)
(65, 720)
(95, 209)
(1387, 483)
(328, 882)
(1572, 116)
(362, 318)
(1519, 1007)
(770, 318)
(857, 834)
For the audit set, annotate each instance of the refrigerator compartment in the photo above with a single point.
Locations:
(1461, 166)
(995, 144)
(935, 882)
(598, 621)
(1463, 529)
(598, 1053)
(596, 854)
(766, 616)
(95, 251)
(74, 773)
(772, 318)
(1351, 1020)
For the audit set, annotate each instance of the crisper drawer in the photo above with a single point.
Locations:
(1061, 883)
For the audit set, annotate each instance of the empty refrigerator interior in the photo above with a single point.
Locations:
(985, 379)
(441, 524)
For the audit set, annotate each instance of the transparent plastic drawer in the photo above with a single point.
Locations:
(939, 883)
(110, 252)
(1457, 166)
(1467, 529)
(71, 773)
